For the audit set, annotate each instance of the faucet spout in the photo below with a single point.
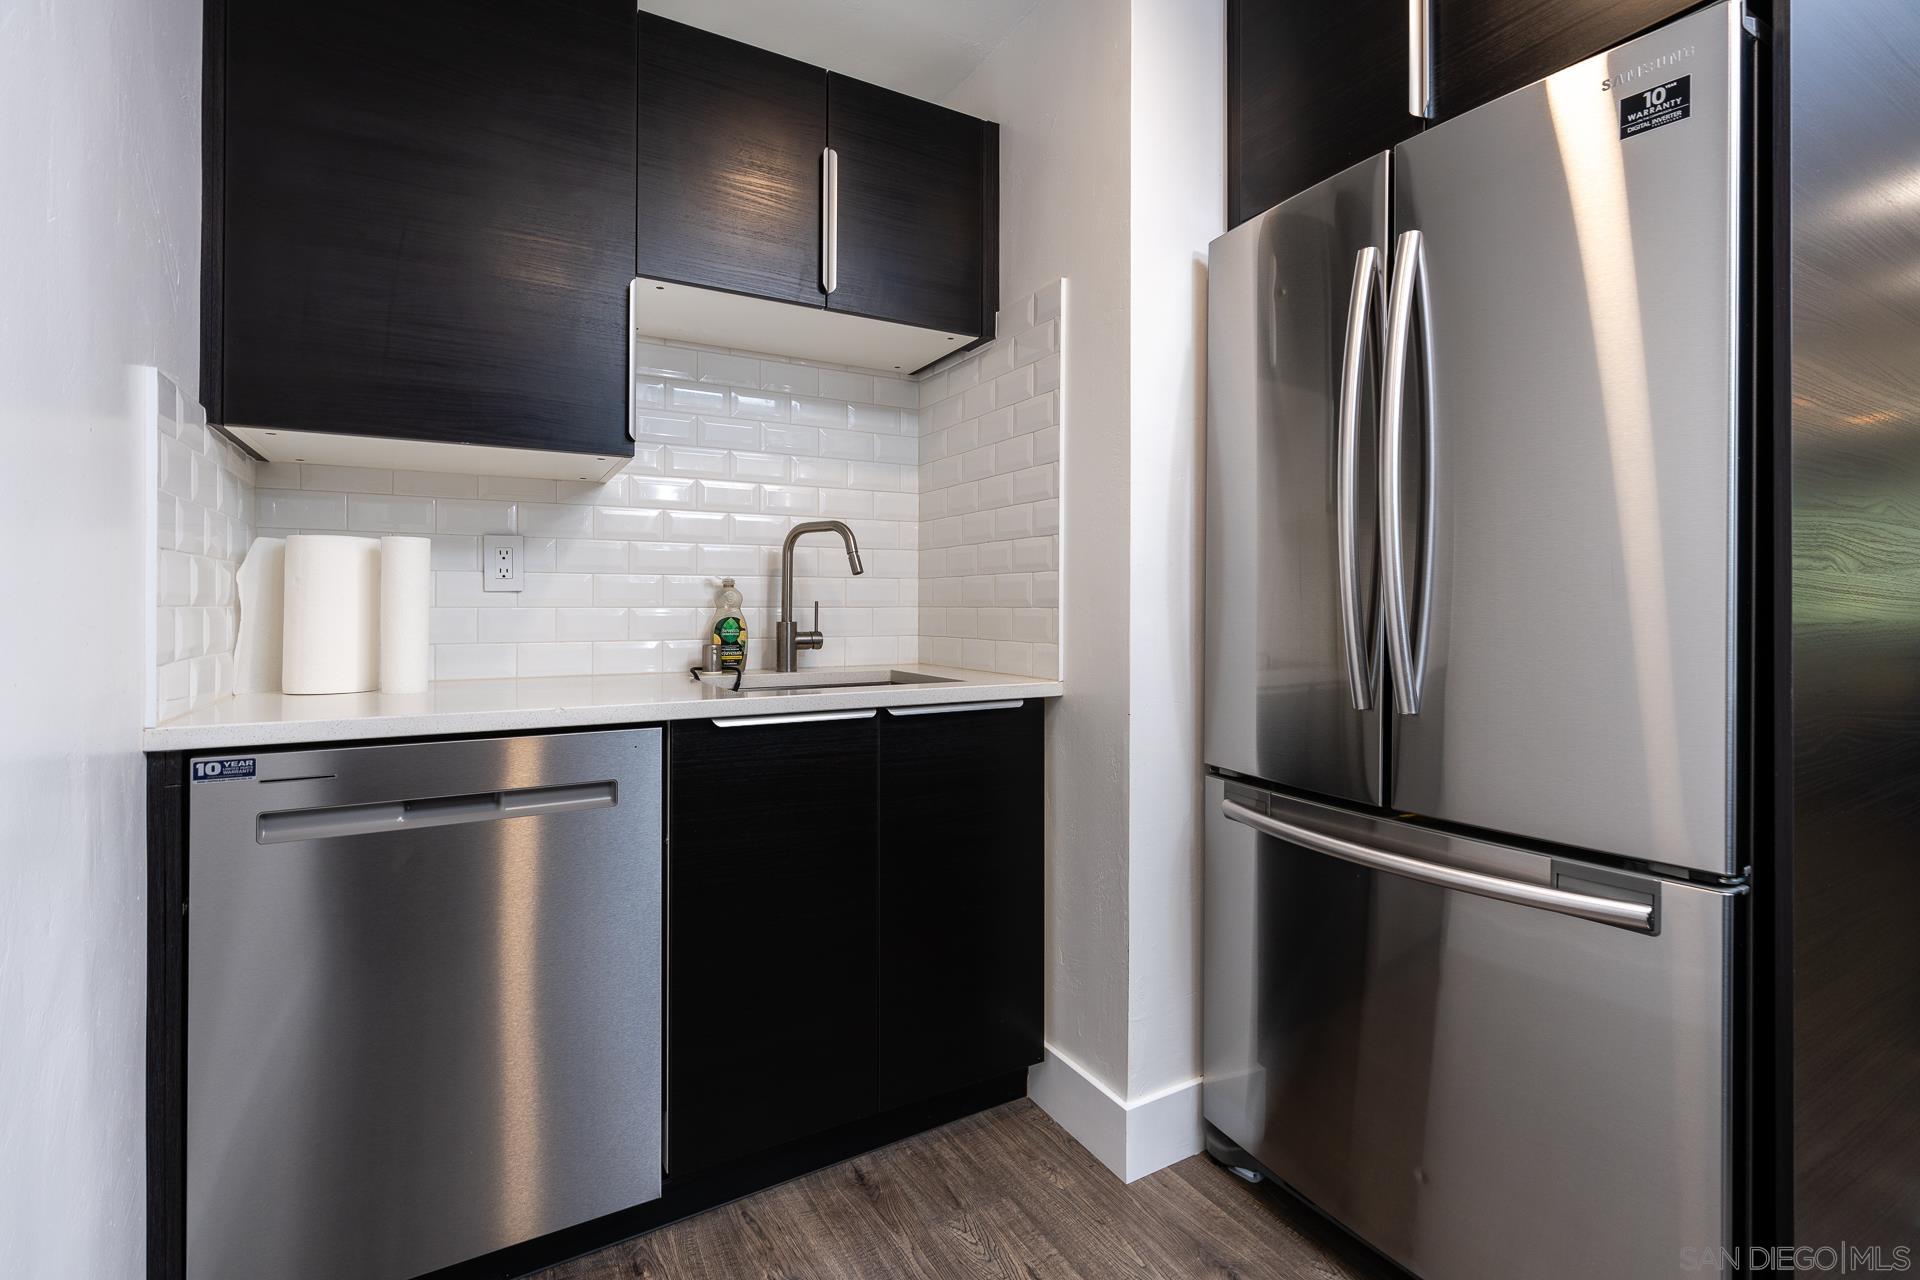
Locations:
(788, 638)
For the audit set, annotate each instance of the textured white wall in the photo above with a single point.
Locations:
(1058, 86)
(99, 270)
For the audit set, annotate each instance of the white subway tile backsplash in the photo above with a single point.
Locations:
(665, 361)
(456, 515)
(590, 555)
(736, 371)
(508, 626)
(555, 520)
(555, 660)
(778, 375)
(626, 589)
(589, 624)
(204, 500)
(733, 449)
(453, 626)
(660, 557)
(650, 491)
(988, 515)
(311, 512)
(387, 514)
(474, 661)
(555, 589)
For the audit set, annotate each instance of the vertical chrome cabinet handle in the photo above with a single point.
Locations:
(1420, 58)
(1405, 660)
(633, 295)
(829, 220)
(1353, 628)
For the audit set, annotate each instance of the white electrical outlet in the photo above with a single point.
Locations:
(500, 556)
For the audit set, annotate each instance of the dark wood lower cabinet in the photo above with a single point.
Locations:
(771, 965)
(961, 885)
(854, 920)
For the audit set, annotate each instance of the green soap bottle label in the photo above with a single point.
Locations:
(731, 635)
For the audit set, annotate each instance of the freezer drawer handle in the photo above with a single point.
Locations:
(1406, 642)
(439, 811)
(1613, 911)
(1353, 627)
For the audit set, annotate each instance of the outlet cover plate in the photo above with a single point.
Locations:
(501, 557)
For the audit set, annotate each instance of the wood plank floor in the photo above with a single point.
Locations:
(1004, 1194)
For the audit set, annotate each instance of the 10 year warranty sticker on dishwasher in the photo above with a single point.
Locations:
(233, 767)
(1650, 108)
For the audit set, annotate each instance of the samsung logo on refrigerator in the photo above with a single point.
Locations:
(1641, 70)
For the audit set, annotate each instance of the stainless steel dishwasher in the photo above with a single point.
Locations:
(423, 1000)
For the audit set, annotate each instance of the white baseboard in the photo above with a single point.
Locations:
(1133, 1139)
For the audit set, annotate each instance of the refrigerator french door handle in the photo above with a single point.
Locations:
(1353, 627)
(1612, 911)
(1406, 639)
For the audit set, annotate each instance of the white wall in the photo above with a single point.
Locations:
(99, 270)
(1059, 87)
(1179, 205)
(1112, 149)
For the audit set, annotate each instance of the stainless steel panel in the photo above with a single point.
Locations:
(407, 1047)
(1278, 704)
(1855, 217)
(1480, 1089)
(1584, 297)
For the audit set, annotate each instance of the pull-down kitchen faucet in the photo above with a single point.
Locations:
(788, 639)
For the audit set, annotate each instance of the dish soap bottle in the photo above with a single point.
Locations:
(730, 629)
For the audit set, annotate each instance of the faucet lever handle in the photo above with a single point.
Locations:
(816, 616)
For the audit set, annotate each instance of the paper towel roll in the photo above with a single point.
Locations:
(332, 615)
(406, 583)
(262, 583)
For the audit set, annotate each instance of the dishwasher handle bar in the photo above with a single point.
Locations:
(333, 821)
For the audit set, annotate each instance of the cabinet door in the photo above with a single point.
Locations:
(428, 219)
(730, 144)
(1311, 89)
(915, 202)
(770, 959)
(1484, 48)
(961, 882)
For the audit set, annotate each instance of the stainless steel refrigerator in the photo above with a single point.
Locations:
(1475, 600)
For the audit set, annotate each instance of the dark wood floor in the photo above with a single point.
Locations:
(1004, 1194)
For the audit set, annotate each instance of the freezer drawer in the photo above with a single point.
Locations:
(1293, 313)
(1479, 1087)
(423, 1001)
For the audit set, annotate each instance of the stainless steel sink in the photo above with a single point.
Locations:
(770, 681)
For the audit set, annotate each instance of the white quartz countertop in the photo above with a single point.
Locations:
(451, 707)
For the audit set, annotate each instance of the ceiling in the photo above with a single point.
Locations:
(921, 47)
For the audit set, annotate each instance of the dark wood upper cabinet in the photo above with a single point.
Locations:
(730, 145)
(962, 824)
(771, 965)
(1484, 48)
(918, 186)
(732, 186)
(1312, 88)
(426, 220)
